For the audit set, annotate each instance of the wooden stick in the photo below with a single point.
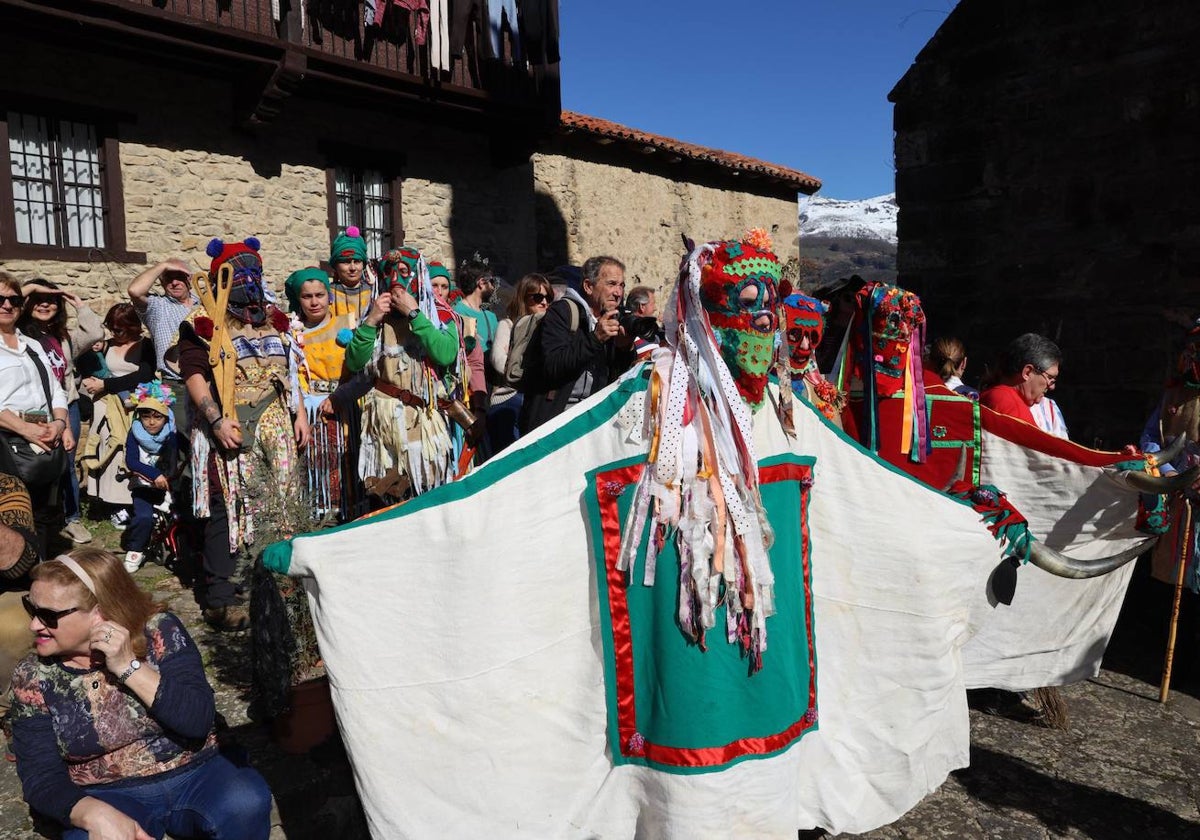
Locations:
(1184, 552)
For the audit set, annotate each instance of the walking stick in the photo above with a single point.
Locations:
(1184, 546)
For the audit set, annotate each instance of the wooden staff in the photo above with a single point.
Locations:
(1185, 543)
(221, 353)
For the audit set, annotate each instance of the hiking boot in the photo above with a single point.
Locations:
(76, 532)
(133, 560)
(228, 619)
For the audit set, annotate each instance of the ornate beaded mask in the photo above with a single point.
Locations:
(739, 290)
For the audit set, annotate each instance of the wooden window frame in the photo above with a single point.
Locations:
(109, 156)
(390, 164)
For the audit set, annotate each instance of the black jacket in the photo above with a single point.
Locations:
(560, 356)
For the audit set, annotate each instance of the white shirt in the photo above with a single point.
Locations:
(1049, 417)
(21, 384)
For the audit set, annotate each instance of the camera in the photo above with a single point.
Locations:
(644, 327)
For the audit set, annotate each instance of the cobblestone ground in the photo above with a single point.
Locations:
(1127, 767)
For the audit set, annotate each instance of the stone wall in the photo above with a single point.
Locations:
(1047, 182)
(189, 174)
(628, 210)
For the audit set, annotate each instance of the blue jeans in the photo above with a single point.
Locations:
(215, 800)
(496, 11)
(71, 495)
(502, 422)
(141, 525)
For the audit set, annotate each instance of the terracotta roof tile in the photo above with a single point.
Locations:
(655, 142)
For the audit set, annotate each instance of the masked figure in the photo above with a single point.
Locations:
(803, 328)
(738, 289)
(883, 371)
(244, 413)
(410, 347)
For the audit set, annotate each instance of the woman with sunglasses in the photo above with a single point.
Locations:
(533, 297)
(33, 411)
(113, 717)
(44, 317)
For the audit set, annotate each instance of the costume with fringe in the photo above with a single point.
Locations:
(415, 364)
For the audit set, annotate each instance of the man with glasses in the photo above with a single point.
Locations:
(1028, 373)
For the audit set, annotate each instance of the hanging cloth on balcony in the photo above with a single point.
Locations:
(497, 11)
(418, 16)
(465, 15)
(539, 24)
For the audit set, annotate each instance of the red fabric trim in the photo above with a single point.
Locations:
(606, 489)
(1031, 437)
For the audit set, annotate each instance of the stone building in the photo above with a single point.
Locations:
(193, 120)
(1047, 173)
(606, 188)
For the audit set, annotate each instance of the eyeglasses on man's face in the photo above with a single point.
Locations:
(14, 301)
(1051, 379)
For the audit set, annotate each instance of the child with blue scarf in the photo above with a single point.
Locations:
(151, 454)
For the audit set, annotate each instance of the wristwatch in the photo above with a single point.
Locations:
(128, 672)
(412, 314)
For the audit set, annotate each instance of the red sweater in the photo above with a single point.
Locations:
(1005, 399)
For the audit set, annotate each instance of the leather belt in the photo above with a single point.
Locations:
(33, 416)
(405, 396)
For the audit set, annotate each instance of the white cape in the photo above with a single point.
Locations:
(462, 637)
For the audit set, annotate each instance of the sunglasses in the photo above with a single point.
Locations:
(14, 301)
(537, 297)
(48, 618)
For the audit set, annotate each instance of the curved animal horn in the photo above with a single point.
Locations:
(1146, 483)
(1049, 560)
(960, 471)
(1166, 456)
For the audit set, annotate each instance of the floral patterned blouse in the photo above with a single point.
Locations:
(73, 728)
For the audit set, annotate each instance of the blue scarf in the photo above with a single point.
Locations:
(153, 443)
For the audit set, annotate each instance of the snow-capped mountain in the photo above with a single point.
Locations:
(867, 218)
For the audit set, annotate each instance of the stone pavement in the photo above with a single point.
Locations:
(1125, 768)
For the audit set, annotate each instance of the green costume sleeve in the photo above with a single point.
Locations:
(441, 345)
(361, 347)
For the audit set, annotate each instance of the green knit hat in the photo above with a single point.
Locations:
(348, 246)
(291, 286)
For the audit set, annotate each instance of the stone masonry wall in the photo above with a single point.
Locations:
(1047, 179)
(189, 174)
(586, 208)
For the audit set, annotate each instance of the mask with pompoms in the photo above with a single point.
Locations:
(247, 300)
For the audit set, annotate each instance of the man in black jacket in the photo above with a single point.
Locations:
(579, 346)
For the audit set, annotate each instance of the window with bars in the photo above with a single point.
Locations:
(56, 173)
(368, 199)
(60, 192)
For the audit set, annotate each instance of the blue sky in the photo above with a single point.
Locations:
(800, 83)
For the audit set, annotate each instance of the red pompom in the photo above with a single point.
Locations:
(203, 325)
(280, 321)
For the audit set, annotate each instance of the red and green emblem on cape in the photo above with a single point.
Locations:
(671, 704)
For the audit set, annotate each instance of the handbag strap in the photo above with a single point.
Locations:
(45, 380)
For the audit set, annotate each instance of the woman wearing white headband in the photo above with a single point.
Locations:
(113, 715)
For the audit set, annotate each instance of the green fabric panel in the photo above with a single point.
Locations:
(694, 699)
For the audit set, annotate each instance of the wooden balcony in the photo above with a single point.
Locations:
(322, 46)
